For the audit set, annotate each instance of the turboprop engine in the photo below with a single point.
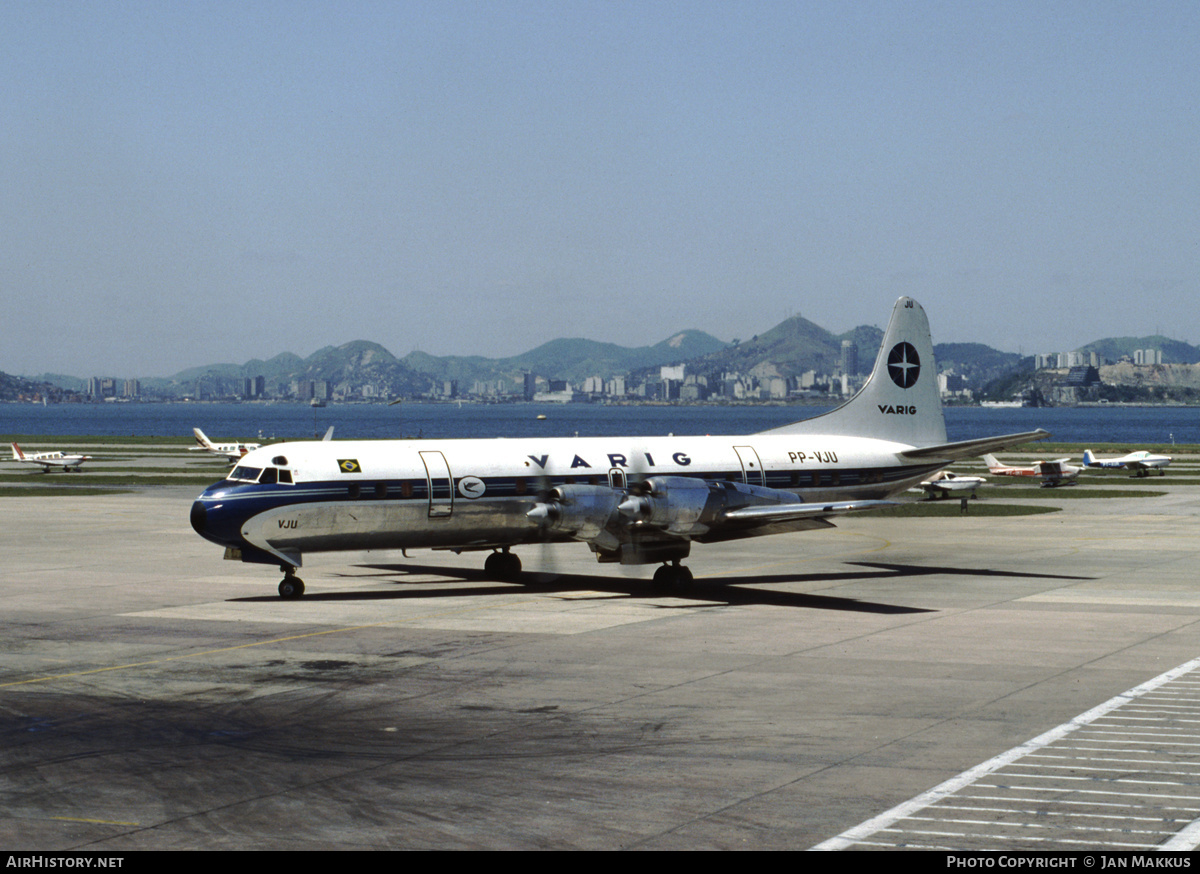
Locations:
(688, 507)
(582, 511)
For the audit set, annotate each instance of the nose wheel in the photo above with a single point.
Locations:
(291, 586)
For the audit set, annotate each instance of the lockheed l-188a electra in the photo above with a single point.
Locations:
(632, 500)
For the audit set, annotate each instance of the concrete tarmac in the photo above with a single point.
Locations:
(155, 696)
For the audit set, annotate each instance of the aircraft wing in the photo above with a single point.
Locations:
(971, 448)
(755, 521)
(792, 512)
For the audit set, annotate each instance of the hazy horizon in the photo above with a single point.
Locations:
(187, 184)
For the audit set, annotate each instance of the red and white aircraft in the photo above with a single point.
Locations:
(1053, 473)
(49, 459)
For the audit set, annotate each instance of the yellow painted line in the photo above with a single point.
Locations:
(94, 821)
(209, 652)
(801, 559)
(423, 617)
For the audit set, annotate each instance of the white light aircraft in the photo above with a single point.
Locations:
(68, 462)
(633, 500)
(228, 451)
(1141, 461)
(942, 484)
(1053, 473)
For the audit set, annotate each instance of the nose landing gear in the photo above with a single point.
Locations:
(291, 586)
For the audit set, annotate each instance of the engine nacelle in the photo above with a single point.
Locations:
(582, 511)
(686, 506)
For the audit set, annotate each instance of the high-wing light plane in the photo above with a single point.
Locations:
(1141, 461)
(633, 500)
(1053, 473)
(67, 461)
(228, 451)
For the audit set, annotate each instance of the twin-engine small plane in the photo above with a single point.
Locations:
(1141, 462)
(48, 460)
(632, 500)
(940, 485)
(231, 452)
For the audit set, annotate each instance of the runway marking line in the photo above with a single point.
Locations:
(1186, 838)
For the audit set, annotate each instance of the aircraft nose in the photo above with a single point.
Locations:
(199, 517)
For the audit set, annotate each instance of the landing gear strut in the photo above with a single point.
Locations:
(673, 576)
(291, 586)
(503, 565)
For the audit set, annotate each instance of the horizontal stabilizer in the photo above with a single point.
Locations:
(972, 448)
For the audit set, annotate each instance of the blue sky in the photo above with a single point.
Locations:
(191, 182)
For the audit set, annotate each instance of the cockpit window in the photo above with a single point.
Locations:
(244, 474)
(270, 475)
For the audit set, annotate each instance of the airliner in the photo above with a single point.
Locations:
(1141, 461)
(228, 451)
(68, 462)
(632, 500)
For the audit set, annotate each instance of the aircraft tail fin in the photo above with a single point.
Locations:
(201, 439)
(1088, 458)
(18, 455)
(990, 461)
(899, 401)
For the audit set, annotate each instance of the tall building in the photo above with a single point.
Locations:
(849, 357)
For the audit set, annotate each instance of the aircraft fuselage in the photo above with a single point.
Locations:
(284, 500)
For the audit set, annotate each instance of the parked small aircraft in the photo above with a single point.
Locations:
(1141, 461)
(632, 500)
(228, 451)
(942, 484)
(48, 460)
(1053, 473)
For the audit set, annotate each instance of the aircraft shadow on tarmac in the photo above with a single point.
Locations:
(719, 591)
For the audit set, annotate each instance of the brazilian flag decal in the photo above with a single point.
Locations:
(349, 465)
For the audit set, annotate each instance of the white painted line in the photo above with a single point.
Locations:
(954, 784)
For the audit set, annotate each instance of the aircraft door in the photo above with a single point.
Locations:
(616, 478)
(441, 484)
(752, 470)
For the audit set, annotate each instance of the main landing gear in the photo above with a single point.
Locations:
(673, 576)
(503, 565)
(291, 586)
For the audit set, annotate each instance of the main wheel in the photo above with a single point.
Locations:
(505, 566)
(672, 576)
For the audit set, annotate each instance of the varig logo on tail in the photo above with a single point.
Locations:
(904, 365)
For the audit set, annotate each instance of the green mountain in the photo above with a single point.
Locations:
(1173, 351)
(792, 347)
